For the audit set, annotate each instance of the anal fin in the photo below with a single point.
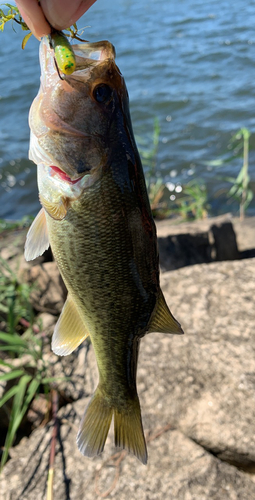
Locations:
(70, 330)
(162, 319)
(37, 240)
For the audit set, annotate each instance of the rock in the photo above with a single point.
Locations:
(49, 291)
(224, 241)
(213, 239)
(38, 410)
(201, 384)
(46, 321)
(177, 468)
(245, 233)
(208, 374)
(184, 250)
(72, 373)
(12, 244)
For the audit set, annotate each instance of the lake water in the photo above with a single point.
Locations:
(189, 63)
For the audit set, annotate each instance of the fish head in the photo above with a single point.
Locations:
(73, 119)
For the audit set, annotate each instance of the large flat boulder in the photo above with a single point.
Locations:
(178, 468)
(200, 385)
(205, 380)
(196, 242)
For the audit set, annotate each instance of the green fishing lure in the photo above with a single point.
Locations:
(64, 54)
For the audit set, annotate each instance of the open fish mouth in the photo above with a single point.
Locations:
(57, 171)
(71, 116)
(54, 183)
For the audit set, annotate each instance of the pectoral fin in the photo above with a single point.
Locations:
(162, 319)
(69, 331)
(56, 210)
(37, 240)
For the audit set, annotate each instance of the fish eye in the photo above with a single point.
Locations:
(102, 93)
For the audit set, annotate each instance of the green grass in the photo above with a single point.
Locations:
(35, 372)
(156, 188)
(7, 225)
(193, 201)
(240, 190)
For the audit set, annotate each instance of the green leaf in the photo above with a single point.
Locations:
(12, 7)
(25, 40)
(22, 385)
(31, 392)
(229, 179)
(12, 348)
(11, 375)
(12, 339)
(214, 163)
(249, 197)
(8, 395)
(240, 176)
(16, 415)
(233, 190)
(246, 133)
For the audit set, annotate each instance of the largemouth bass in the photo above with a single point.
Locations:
(96, 216)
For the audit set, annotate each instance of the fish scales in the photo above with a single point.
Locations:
(97, 218)
(102, 249)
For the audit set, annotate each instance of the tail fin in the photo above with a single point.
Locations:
(94, 426)
(96, 422)
(128, 430)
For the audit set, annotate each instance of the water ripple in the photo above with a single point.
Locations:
(190, 60)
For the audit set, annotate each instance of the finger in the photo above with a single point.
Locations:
(34, 17)
(63, 13)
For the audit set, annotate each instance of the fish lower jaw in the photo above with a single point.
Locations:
(41, 158)
(36, 153)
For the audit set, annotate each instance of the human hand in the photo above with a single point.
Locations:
(58, 13)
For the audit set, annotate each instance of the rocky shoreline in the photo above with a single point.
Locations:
(196, 391)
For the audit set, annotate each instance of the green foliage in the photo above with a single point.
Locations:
(155, 186)
(6, 225)
(34, 371)
(149, 153)
(14, 305)
(192, 203)
(14, 15)
(11, 15)
(28, 379)
(240, 189)
(32, 376)
(14, 298)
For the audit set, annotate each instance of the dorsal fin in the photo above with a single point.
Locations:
(56, 210)
(37, 240)
(162, 319)
(70, 330)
